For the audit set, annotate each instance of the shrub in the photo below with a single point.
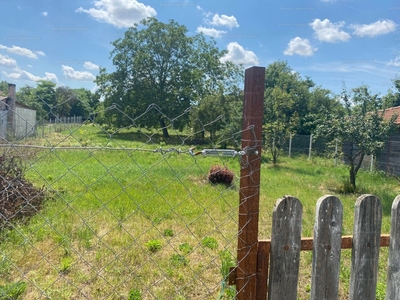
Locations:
(219, 174)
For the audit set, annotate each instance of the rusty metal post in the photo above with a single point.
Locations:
(253, 108)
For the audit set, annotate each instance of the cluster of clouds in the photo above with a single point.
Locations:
(17, 73)
(236, 52)
(326, 31)
(124, 13)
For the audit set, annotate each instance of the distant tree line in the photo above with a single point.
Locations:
(51, 101)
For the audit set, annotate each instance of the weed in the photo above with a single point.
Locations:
(185, 248)
(178, 260)
(65, 264)
(209, 242)
(135, 295)
(153, 245)
(13, 290)
(168, 232)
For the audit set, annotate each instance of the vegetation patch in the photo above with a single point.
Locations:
(18, 197)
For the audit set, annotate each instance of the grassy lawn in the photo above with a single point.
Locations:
(122, 221)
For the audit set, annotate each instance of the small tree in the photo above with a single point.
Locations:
(362, 126)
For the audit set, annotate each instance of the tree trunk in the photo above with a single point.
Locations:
(353, 175)
(354, 169)
(164, 128)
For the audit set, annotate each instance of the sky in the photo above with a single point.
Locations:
(331, 41)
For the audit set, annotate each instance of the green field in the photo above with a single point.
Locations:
(124, 222)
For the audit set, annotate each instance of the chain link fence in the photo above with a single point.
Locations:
(94, 213)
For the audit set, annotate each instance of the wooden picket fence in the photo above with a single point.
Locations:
(278, 258)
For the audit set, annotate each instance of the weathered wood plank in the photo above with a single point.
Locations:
(393, 274)
(285, 249)
(327, 248)
(365, 251)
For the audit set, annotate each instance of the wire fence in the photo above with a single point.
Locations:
(91, 212)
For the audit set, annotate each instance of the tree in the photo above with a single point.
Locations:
(45, 94)
(285, 105)
(362, 126)
(158, 63)
(3, 88)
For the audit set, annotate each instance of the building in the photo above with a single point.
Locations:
(17, 120)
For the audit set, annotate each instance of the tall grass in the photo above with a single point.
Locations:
(105, 208)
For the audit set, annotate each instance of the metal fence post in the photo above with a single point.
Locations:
(290, 145)
(246, 279)
(310, 148)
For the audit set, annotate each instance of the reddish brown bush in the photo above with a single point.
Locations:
(219, 174)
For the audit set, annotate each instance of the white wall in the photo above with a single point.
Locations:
(25, 120)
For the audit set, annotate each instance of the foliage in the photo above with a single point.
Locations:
(168, 232)
(219, 174)
(158, 63)
(210, 242)
(3, 88)
(362, 127)
(135, 295)
(12, 291)
(284, 102)
(178, 260)
(185, 248)
(153, 245)
(50, 101)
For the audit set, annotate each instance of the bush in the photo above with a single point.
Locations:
(219, 174)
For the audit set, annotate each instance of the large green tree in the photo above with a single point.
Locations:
(158, 63)
(286, 100)
(361, 126)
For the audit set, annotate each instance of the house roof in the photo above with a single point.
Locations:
(18, 104)
(389, 112)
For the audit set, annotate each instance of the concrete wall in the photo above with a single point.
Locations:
(25, 120)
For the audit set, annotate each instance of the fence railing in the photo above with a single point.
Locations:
(279, 258)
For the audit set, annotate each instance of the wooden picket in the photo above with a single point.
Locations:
(278, 258)
(326, 248)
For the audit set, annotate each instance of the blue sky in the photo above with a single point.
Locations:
(331, 41)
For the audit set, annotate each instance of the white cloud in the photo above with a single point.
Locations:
(120, 13)
(329, 32)
(90, 66)
(25, 75)
(300, 46)
(224, 20)
(70, 73)
(199, 8)
(30, 66)
(395, 62)
(21, 51)
(44, 13)
(374, 29)
(51, 76)
(238, 55)
(8, 62)
(41, 53)
(210, 31)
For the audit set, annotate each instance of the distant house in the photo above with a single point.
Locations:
(388, 113)
(17, 120)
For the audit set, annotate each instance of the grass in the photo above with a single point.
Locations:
(141, 225)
